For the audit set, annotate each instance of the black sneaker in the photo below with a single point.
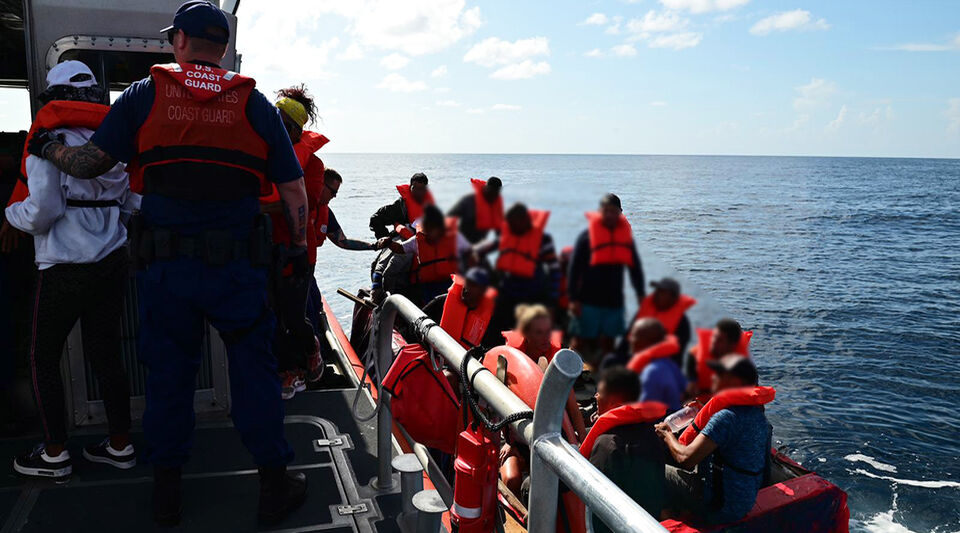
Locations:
(106, 454)
(281, 493)
(38, 464)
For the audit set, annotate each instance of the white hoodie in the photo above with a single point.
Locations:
(64, 234)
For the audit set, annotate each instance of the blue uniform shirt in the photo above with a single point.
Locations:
(742, 436)
(117, 137)
(661, 381)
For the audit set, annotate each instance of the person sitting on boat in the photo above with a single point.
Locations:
(406, 210)
(595, 282)
(653, 360)
(730, 441)
(79, 236)
(480, 211)
(669, 305)
(465, 310)
(437, 249)
(623, 443)
(527, 263)
(725, 338)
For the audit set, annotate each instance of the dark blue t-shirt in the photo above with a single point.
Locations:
(117, 137)
(742, 436)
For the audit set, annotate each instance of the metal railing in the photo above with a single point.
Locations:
(552, 458)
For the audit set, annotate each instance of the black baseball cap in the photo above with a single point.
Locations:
(667, 284)
(737, 365)
(197, 17)
(479, 276)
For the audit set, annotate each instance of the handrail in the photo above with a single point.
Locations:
(551, 457)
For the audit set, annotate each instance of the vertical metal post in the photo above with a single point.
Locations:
(430, 509)
(548, 420)
(384, 356)
(411, 479)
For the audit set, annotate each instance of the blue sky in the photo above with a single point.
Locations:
(799, 77)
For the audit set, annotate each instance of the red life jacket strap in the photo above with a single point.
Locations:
(237, 158)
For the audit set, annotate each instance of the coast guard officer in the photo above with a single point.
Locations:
(199, 141)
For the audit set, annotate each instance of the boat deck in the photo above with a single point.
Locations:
(220, 486)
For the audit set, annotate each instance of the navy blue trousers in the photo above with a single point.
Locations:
(175, 297)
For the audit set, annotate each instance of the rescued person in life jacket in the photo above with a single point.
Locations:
(481, 211)
(728, 442)
(726, 338)
(595, 282)
(438, 251)
(465, 310)
(653, 352)
(406, 210)
(527, 263)
(669, 305)
(79, 236)
(623, 443)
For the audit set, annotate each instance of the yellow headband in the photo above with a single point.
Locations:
(294, 110)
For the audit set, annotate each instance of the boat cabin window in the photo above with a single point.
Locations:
(117, 69)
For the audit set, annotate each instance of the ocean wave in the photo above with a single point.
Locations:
(855, 457)
(911, 482)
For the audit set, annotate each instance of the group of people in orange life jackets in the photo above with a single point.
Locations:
(647, 377)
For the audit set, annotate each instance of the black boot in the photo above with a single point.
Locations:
(166, 496)
(281, 493)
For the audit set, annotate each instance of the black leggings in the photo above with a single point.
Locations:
(93, 294)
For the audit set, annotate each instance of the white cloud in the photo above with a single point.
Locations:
(614, 27)
(439, 72)
(814, 94)
(624, 50)
(953, 44)
(654, 22)
(596, 19)
(596, 52)
(448, 103)
(494, 51)
(703, 6)
(676, 41)
(475, 111)
(441, 90)
(519, 71)
(953, 115)
(798, 19)
(397, 83)
(658, 103)
(506, 107)
(351, 53)
(394, 61)
(835, 124)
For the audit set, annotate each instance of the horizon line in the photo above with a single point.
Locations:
(625, 154)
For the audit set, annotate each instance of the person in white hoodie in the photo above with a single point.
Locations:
(79, 236)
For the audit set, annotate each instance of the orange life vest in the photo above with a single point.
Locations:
(403, 231)
(515, 339)
(58, 114)
(309, 143)
(321, 218)
(436, 262)
(414, 210)
(489, 216)
(609, 247)
(662, 350)
(754, 395)
(702, 354)
(197, 140)
(631, 413)
(671, 317)
(466, 325)
(519, 253)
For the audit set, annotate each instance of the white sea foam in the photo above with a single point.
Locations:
(880, 523)
(859, 457)
(912, 482)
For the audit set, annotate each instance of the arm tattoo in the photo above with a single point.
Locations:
(302, 222)
(82, 162)
(342, 241)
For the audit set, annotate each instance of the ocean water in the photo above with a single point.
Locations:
(847, 269)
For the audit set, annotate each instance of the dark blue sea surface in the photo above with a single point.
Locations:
(847, 269)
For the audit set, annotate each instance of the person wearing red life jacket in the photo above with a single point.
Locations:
(465, 310)
(595, 281)
(406, 210)
(652, 358)
(438, 250)
(669, 305)
(79, 234)
(725, 338)
(728, 443)
(623, 443)
(481, 211)
(201, 180)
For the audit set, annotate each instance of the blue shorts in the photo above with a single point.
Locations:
(595, 322)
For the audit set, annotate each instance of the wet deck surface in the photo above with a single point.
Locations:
(220, 482)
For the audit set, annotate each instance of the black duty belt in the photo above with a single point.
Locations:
(213, 247)
(73, 202)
